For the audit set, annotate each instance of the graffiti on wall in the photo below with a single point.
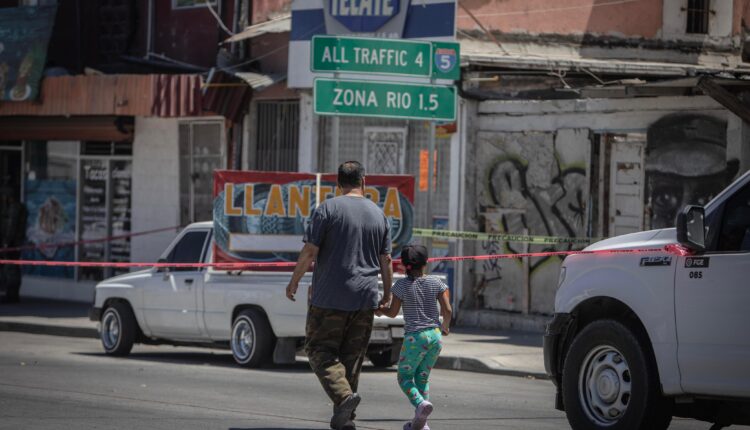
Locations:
(533, 183)
(686, 163)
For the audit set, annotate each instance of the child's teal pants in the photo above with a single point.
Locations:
(418, 356)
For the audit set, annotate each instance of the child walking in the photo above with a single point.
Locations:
(419, 294)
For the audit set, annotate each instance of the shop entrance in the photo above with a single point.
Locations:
(11, 165)
(104, 205)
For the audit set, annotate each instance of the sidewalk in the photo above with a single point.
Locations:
(474, 350)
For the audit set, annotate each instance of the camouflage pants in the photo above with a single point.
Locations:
(336, 343)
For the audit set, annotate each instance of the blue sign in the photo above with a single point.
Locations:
(24, 35)
(445, 59)
(364, 16)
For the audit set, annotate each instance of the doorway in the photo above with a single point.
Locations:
(11, 168)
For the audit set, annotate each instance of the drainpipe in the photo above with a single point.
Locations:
(150, 28)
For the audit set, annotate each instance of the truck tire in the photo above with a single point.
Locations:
(385, 357)
(252, 339)
(118, 329)
(610, 381)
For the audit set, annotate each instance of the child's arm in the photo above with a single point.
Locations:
(392, 310)
(445, 311)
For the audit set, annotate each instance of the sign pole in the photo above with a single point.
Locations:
(430, 178)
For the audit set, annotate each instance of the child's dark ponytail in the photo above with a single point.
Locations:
(414, 258)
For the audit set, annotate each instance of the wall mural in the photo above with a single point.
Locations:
(686, 163)
(534, 182)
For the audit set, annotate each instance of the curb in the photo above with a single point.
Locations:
(51, 330)
(466, 364)
(477, 365)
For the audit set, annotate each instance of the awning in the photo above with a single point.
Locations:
(258, 81)
(281, 24)
(723, 90)
(488, 54)
(122, 95)
(98, 128)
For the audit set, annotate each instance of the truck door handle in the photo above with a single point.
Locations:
(189, 281)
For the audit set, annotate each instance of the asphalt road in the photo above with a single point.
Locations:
(51, 382)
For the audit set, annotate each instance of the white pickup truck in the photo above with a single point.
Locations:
(246, 311)
(638, 338)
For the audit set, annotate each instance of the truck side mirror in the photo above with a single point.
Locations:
(162, 269)
(690, 229)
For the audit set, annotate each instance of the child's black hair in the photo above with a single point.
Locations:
(414, 258)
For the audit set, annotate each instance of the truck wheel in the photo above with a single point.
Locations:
(385, 357)
(118, 329)
(382, 359)
(610, 381)
(252, 339)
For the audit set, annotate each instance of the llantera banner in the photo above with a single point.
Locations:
(261, 216)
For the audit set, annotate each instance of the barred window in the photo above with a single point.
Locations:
(697, 16)
(277, 136)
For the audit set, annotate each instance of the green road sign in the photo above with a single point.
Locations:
(384, 99)
(437, 60)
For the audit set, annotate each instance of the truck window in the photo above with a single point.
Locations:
(188, 250)
(735, 226)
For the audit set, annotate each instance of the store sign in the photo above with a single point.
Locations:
(384, 99)
(361, 16)
(24, 35)
(261, 216)
(437, 60)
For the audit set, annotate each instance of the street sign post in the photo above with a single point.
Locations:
(435, 60)
(384, 99)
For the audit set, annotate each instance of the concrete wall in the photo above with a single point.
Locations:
(530, 170)
(156, 185)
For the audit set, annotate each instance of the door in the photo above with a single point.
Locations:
(626, 187)
(104, 211)
(712, 299)
(10, 171)
(170, 300)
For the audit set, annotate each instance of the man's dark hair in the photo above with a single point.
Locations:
(351, 174)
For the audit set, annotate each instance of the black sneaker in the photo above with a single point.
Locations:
(343, 412)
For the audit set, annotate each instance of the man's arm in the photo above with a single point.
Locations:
(306, 257)
(386, 272)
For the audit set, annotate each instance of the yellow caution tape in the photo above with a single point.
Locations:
(502, 237)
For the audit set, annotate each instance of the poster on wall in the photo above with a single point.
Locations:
(24, 35)
(261, 216)
(120, 176)
(93, 221)
(51, 205)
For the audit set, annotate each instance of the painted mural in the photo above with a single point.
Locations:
(528, 183)
(686, 163)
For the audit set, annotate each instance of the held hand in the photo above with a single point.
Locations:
(291, 290)
(385, 302)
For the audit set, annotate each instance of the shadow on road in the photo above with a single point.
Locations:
(217, 358)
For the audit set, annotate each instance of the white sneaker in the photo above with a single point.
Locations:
(420, 415)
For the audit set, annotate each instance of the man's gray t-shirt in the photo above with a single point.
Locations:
(351, 234)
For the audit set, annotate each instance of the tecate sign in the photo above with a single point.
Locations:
(364, 16)
(425, 20)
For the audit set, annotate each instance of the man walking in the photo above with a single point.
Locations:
(12, 235)
(350, 241)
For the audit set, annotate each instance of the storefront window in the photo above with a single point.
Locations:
(50, 197)
(77, 192)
